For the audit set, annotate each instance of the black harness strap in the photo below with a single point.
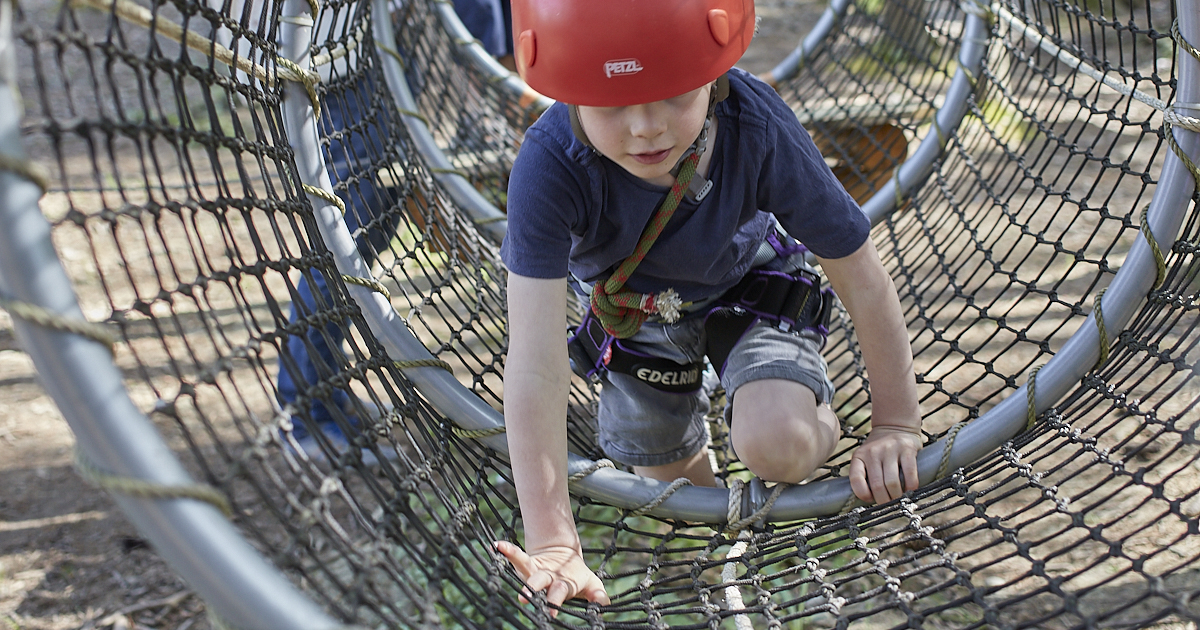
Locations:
(592, 350)
(794, 301)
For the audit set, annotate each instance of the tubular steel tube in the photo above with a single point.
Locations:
(488, 219)
(791, 65)
(1124, 296)
(199, 543)
(916, 169)
(484, 63)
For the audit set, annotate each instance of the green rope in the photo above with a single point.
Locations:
(951, 435)
(1187, 122)
(1160, 261)
(46, 318)
(596, 465)
(901, 194)
(662, 496)
(422, 363)
(1183, 43)
(370, 283)
(1183, 157)
(622, 313)
(1098, 311)
(26, 169)
(308, 79)
(474, 434)
(1031, 399)
(392, 52)
(326, 195)
(142, 489)
(418, 115)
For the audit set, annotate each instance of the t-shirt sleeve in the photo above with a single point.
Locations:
(799, 189)
(546, 193)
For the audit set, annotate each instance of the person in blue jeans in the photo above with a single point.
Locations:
(357, 140)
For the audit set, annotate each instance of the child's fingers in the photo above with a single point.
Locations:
(877, 479)
(858, 480)
(558, 592)
(892, 479)
(517, 556)
(909, 464)
(598, 595)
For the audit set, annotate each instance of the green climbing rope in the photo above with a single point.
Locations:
(622, 313)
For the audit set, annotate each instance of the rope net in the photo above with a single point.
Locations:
(180, 214)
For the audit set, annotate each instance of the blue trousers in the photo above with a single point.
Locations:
(356, 144)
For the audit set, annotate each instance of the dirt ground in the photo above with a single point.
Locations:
(68, 558)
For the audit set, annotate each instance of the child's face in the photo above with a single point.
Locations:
(647, 140)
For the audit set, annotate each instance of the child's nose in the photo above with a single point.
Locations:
(646, 122)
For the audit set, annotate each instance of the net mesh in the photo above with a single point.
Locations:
(178, 211)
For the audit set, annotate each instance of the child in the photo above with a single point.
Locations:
(653, 97)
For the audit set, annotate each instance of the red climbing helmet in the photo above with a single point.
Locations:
(609, 53)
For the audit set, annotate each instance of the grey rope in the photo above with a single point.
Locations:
(733, 511)
(142, 489)
(137, 14)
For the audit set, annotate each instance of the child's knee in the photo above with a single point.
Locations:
(782, 456)
(780, 432)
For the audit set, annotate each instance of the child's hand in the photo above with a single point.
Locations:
(877, 466)
(559, 570)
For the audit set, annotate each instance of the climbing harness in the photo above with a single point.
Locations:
(792, 301)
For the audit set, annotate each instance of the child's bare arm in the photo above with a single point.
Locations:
(885, 464)
(536, 382)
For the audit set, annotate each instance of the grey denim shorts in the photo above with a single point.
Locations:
(643, 426)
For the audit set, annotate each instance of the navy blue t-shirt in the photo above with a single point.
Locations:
(570, 209)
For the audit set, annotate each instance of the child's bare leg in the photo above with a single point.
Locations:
(696, 468)
(780, 432)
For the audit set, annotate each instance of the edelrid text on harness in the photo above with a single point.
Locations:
(792, 301)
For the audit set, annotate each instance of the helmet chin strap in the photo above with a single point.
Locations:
(699, 187)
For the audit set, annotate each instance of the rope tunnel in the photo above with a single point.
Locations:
(229, 221)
